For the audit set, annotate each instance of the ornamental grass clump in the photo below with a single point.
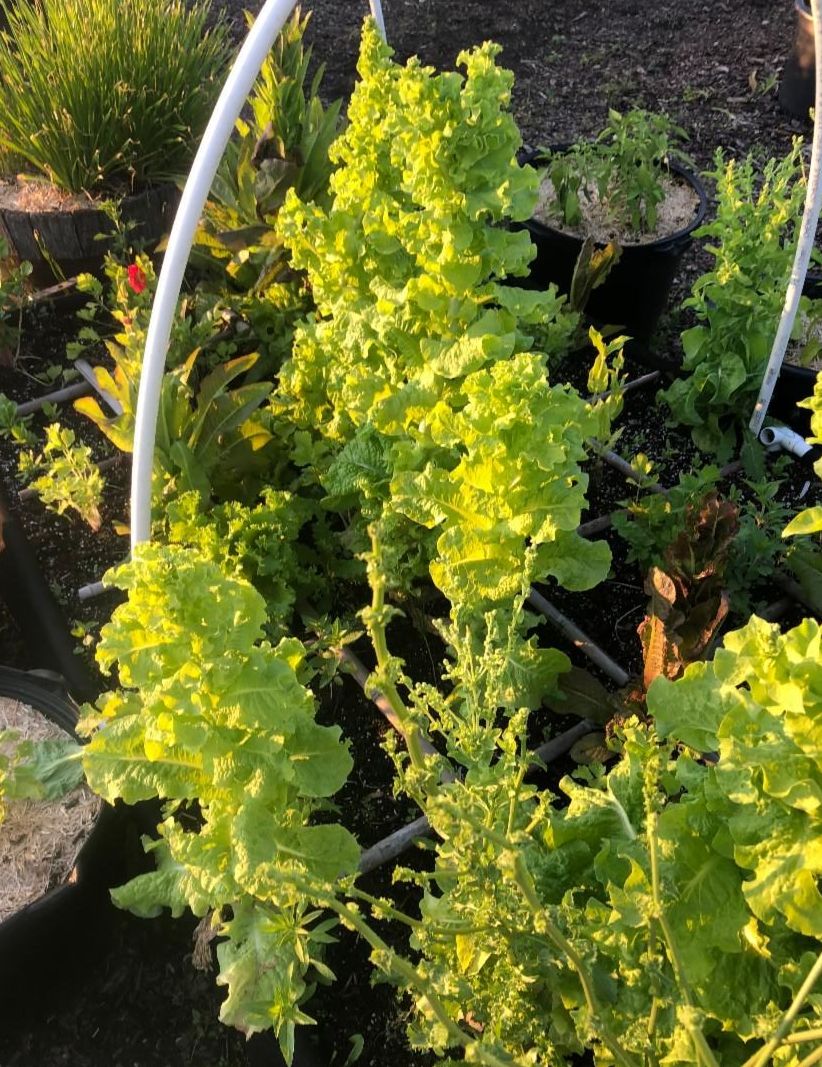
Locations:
(107, 97)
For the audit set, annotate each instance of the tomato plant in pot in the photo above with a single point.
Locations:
(99, 101)
(629, 189)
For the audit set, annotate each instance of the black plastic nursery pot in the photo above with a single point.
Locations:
(47, 943)
(793, 384)
(635, 293)
(31, 603)
(68, 238)
(796, 383)
(798, 83)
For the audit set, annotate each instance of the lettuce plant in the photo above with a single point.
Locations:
(417, 354)
(665, 912)
(738, 302)
(212, 714)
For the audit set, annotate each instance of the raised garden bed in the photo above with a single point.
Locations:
(608, 615)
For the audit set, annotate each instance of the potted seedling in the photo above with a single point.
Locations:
(628, 189)
(99, 102)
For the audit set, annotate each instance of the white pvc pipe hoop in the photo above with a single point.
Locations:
(804, 245)
(235, 92)
(239, 84)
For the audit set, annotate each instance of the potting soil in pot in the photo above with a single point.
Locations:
(39, 839)
(674, 213)
(38, 195)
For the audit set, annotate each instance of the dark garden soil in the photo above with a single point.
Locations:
(713, 67)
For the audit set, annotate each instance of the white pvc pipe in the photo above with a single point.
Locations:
(376, 12)
(238, 85)
(776, 437)
(804, 245)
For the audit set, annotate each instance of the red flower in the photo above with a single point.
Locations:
(136, 277)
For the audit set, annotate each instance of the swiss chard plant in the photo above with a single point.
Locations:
(210, 430)
(283, 144)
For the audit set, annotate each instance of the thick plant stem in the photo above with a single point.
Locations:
(546, 926)
(804, 245)
(703, 1052)
(578, 638)
(375, 620)
(802, 1036)
(761, 1058)
(408, 973)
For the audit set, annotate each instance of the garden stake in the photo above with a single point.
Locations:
(361, 674)
(796, 592)
(624, 468)
(90, 591)
(397, 842)
(804, 246)
(376, 12)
